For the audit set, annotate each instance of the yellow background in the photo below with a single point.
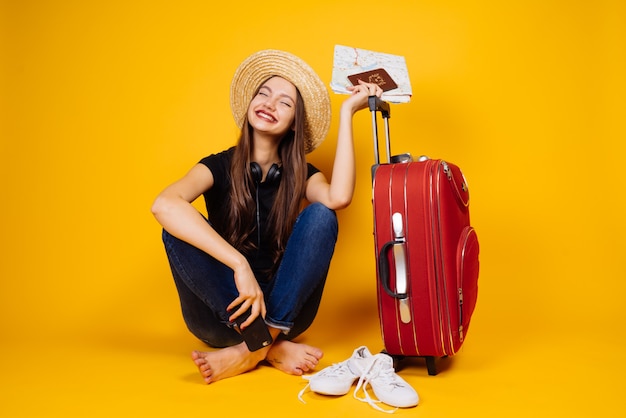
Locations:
(106, 102)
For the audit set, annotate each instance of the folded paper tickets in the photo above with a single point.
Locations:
(387, 70)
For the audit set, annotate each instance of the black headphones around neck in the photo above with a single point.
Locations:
(273, 174)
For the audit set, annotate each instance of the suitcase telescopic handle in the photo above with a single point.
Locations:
(378, 105)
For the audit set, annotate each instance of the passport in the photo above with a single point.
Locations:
(378, 76)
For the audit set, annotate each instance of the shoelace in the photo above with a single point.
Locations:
(375, 371)
(336, 370)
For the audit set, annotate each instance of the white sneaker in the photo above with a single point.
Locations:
(338, 378)
(387, 385)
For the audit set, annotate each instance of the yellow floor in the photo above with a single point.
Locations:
(126, 372)
(102, 104)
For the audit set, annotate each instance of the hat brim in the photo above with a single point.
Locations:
(261, 66)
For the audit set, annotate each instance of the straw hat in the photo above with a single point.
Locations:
(260, 66)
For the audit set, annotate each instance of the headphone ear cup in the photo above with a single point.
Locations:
(257, 173)
(273, 174)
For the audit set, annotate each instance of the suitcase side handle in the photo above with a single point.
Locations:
(383, 269)
(399, 256)
(401, 278)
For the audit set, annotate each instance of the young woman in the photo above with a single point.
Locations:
(260, 252)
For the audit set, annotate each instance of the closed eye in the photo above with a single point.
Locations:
(285, 99)
(264, 91)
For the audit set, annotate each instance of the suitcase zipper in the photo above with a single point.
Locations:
(443, 312)
(461, 313)
(461, 273)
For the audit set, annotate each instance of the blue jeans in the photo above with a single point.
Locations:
(292, 297)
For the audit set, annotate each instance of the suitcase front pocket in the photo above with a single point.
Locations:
(467, 277)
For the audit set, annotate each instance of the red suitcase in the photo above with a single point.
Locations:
(427, 252)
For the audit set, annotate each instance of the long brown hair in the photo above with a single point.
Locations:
(241, 223)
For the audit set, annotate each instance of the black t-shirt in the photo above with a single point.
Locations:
(218, 208)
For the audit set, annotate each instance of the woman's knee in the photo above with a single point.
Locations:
(316, 215)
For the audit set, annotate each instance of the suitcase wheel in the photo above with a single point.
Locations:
(431, 366)
(431, 362)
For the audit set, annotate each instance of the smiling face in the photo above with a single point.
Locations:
(272, 111)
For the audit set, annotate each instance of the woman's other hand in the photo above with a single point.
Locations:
(250, 296)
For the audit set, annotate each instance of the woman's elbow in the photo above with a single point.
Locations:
(339, 203)
(160, 206)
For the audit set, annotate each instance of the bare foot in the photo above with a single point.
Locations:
(293, 358)
(227, 362)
